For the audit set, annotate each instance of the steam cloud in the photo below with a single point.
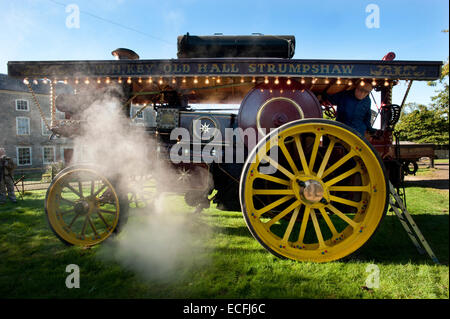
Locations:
(159, 241)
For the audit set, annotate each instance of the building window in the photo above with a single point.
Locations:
(45, 131)
(22, 105)
(48, 154)
(23, 125)
(23, 156)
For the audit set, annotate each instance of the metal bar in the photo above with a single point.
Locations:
(412, 224)
(406, 94)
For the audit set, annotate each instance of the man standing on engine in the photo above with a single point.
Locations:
(353, 108)
(6, 177)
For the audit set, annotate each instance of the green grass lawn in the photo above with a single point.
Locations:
(179, 254)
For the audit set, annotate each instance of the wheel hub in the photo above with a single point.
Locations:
(311, 191)
(81, 207)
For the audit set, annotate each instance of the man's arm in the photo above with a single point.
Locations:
(334, 99)
(367, 118)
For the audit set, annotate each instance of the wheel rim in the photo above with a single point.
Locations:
(325, 198)
(82, 207)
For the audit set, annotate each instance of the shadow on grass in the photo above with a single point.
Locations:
(391, 244)
(431, 183)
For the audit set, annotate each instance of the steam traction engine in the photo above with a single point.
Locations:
(322, 195)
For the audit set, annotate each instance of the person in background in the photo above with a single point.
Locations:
(353, 108)
(6, 178)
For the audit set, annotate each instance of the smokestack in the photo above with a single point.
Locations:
(125, 54)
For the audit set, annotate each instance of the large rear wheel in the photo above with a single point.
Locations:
(313, 190)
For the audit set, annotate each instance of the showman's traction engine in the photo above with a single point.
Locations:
(309, 188)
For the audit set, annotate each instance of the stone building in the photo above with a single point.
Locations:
(23, 133)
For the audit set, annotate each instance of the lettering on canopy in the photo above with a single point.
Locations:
(333, 69)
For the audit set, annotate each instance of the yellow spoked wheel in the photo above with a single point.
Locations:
(82, 206)
(313, 190)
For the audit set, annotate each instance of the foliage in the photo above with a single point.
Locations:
(423, 125)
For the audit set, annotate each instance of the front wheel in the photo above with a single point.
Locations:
(313, 190)
(83, 207)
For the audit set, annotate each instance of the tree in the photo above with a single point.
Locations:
(440, 101)
(423, 125)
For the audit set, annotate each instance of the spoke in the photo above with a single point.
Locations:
(302, 155)
(80, 187)
(67, 201)
(273, 179)
(73, 220)
(317, 229)
(84, 226)
(108, 211)
(103, 219)
(312, 160)
(288, 157)
(326, 158)
(343, 176)
(328, 221)
(350, 188)
(273, 192)
(92, 226)
(100, 189)
(342, 216)
(338, 163)
(74, 191)
(65, 212)
(304, 224)
(261, 211)
(279, 167)
(282, 214)
(344, 201)
(288, 231)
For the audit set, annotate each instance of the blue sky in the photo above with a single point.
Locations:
(36, 30)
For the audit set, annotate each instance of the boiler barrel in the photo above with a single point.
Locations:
(220, 46)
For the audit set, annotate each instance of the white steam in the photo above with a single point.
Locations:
(163, 240)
